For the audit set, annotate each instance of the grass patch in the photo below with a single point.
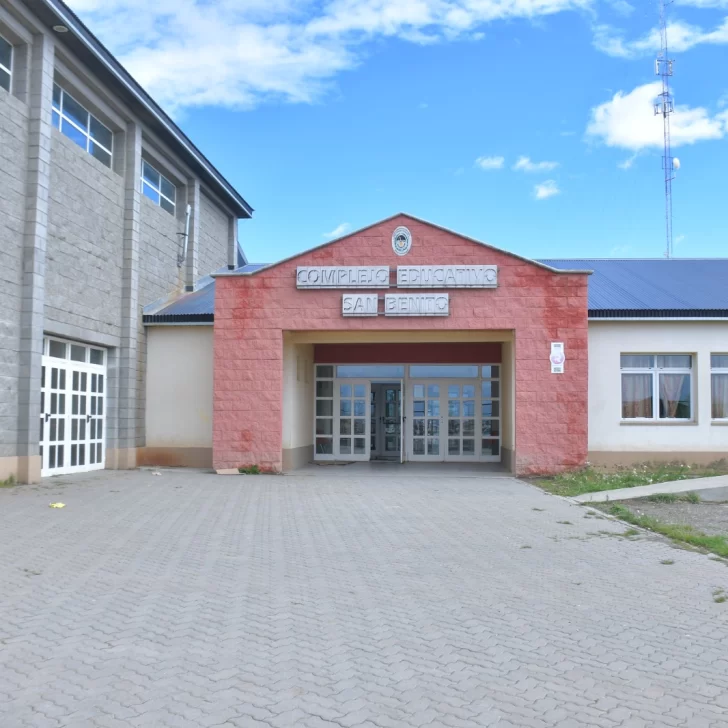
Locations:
(668, 562)
(591, 480)
(565, 523)
(9, 482)
(250, 470)
(526, 546)
(673, 498)
(676, 532)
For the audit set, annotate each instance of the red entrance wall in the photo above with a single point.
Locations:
(460, 352)
(540, 306)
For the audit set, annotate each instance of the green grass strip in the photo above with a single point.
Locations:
(685, 534)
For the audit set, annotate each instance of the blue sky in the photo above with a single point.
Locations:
(524, 123)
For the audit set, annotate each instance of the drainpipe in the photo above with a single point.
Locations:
(186, 235)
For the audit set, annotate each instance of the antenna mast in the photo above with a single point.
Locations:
(665, 106)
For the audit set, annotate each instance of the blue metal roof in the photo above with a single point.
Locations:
(618, 288)
(654, 287)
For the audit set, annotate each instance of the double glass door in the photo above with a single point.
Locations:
(386, 421)
(352, 427)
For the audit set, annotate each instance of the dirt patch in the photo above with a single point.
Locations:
(710, 518)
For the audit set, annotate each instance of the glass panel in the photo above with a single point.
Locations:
(82, 430)
(74, 454)
(74, 134)
(93, 382)
(675, 396)
(452, 371)
(370, 371)
(81, 454)
(325, 370)
(360, 390)
(5, 81)
(54, 378)
(150, 174)
(453, 390)
(453, 447)
(469, 408)
(490, 447)
(93, 429)
(490, 428)
(166, 205)
(57, 349)
(61, 430)
(637, 396)
(93, 405)
(719, 361)
(62, 384)
(98, 452)
(491, 371)
(101, 154)
(74, 111)
(345, 390)
(97, 356)
(345, 427)
(324, 407)
(74, 429)
(74, 404)
(675, 361)
(54, 403)
(419, 390)
(91, 454)
(418, 428)
(418, 409)
(324, 389)
(345, 408)
(53, 429)
(82, 402)
(75, 381)
(468, 447)
(491, 409)
(52, 456)
(78, 353)
(360, 427)
(433, 446)
(360, 446)
(83, 381)
(345, 445)
(433, 407)
(324, 446)
(168, 189)
(453, 408)
(324, 426)
(418, 447)
(100, 133)
(433, 427)
(453, 427)
(6, 53)
(100, 429)
(490, 389)
(360, 407)
(61, 404)
(638, 361)
(56, 119)
(468, 390)
(56, 96)
(151, 193)
(468, 428)
(101, 383)
(719, 396)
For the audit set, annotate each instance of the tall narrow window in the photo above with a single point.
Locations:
(80, 126)
(158, 188)
(6, 63)
(656, 386)
(719, 386)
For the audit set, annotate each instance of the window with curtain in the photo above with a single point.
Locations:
(657, 386)
(719, 386)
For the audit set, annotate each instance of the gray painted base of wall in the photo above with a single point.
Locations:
(297, 457)
(615, 459)
(507, 459)
(175, 457)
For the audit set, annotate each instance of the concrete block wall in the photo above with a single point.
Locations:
(214, 224)
(13, 167)
(252, 313)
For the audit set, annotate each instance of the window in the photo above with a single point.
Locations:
(80, 126)
(6, 63)
(656, 386)
(719, 386)
(158, 188)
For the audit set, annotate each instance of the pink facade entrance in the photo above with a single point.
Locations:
(268, 334)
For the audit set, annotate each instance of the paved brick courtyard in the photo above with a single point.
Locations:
(192, 600)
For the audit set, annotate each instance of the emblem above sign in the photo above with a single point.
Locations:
(401, 240)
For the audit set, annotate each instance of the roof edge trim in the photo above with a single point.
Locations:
(657, 313)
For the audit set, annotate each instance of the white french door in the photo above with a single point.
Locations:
(460, 420)
(73, 408)
(425, 414)
(352, 425)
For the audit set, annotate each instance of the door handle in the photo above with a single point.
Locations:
(88, 417)
(47, 415)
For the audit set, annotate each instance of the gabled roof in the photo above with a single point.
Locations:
(654, 288)
(95, 55)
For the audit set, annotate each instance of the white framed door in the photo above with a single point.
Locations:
(352, 419)
(460, 408)
(73, 408)
(425, 416)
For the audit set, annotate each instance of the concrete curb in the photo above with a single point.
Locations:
(640, 491)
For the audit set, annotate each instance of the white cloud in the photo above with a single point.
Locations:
(682, 37)
(622, 7)
(546, 189)
(524, 164)
(339, 230)
(490, 162)
(628, 163)
(239, 53)
(628, 121)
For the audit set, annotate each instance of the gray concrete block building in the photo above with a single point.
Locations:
(105, 207)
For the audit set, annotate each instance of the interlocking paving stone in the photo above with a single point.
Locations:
(188, 600)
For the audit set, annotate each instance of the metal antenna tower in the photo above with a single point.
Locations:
(665, 106)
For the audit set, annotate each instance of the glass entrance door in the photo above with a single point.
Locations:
(353, 419)
(386, 423)
(461, 420)
(426, 419)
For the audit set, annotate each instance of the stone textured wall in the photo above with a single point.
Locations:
(13, 162)
(214, 224)
(84, 255)
(252, 312)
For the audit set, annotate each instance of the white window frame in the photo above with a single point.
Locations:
(158, 190)
(86, 132)
(7, 70)
(716, 370)
(655, 371)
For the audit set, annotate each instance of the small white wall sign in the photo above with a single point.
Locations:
(359, 304)
(447, 276)
(422, 304)
(342, 276)
(557, 358)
